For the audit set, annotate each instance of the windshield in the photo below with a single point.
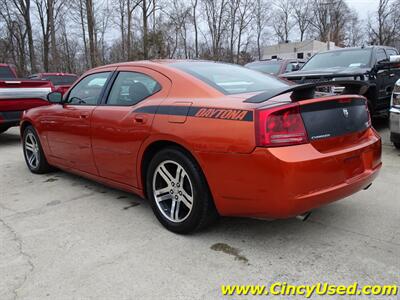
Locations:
(61, 79)
(360, 58)
(6, 73)
(230, 79)
(269, 68)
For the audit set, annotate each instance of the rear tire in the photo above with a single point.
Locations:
(397, 145)
(33, 152)
(178, 192)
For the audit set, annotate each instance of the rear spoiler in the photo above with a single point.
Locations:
(307, 90)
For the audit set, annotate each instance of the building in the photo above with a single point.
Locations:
(301, 50)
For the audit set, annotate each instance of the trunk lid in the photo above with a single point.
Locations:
(334, 122)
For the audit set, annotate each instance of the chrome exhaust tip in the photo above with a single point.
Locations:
(368, 186)
(304, 217)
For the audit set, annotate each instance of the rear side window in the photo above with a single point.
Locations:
(88, 90)
(130, 88)
(6, 73)
(381, 55)
(391, 52)
(230, 79)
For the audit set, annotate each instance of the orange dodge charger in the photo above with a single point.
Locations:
(200, 139)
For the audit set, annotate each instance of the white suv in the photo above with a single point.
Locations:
(395, 116)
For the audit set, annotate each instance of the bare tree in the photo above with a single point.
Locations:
(245, 17)
(283, 21)
(261, 12)
(131, 5)
(329, 20)
(196, 32)
(23, 7)
(215, 11)
(91, 32)
(354, 35)
(233, 18)
(384, 28)
(302, 16)
(16, 35)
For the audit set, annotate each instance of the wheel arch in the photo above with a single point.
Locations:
(23, 125)
(154, 147)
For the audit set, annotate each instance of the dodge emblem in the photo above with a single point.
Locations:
(345, 112)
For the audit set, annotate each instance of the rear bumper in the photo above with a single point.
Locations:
(10, 118)
(287, 181)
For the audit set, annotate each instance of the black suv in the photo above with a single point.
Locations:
(369, 64)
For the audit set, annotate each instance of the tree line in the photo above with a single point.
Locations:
(75, 35)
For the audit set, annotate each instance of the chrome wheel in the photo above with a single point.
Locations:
(32, 151)
(173, 191)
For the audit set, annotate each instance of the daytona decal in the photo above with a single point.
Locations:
(199, 112)
(216, 113)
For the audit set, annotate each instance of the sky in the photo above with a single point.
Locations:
(363, 7)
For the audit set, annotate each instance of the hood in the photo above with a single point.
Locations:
(328, 72)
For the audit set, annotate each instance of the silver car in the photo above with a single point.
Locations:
(395, 116)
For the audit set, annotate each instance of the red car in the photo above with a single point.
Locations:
(200, 139)
(17, 95)
(61, 81)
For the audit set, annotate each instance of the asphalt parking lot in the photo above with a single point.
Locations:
(64, 237)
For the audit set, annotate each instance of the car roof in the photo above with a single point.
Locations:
(161, 64)
(358, 48)
(55, 74)
(273, 61)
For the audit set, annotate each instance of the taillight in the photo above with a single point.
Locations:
(281, 126)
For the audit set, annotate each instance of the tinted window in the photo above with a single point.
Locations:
(61, 80)
(381, 55)
(268, 68)
(130, 88)
(230, 79)
(347, 58)
(88, 90)
(391, 52)
(6, 73)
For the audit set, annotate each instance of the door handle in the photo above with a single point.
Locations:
(140, 119)
(84, 115)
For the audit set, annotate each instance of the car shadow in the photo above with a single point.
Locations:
(9, 138)
(380, 123)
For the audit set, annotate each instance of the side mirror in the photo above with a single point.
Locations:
(55, 97)
(295, 67)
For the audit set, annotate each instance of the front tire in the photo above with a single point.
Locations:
(33, 152)
(178, 192)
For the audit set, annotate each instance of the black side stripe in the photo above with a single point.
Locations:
(199, 112)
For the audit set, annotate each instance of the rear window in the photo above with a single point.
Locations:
(6, 73)
(61, 80)
(269, 68)
(230, 79)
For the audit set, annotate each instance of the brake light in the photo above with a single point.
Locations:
(282, 126)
